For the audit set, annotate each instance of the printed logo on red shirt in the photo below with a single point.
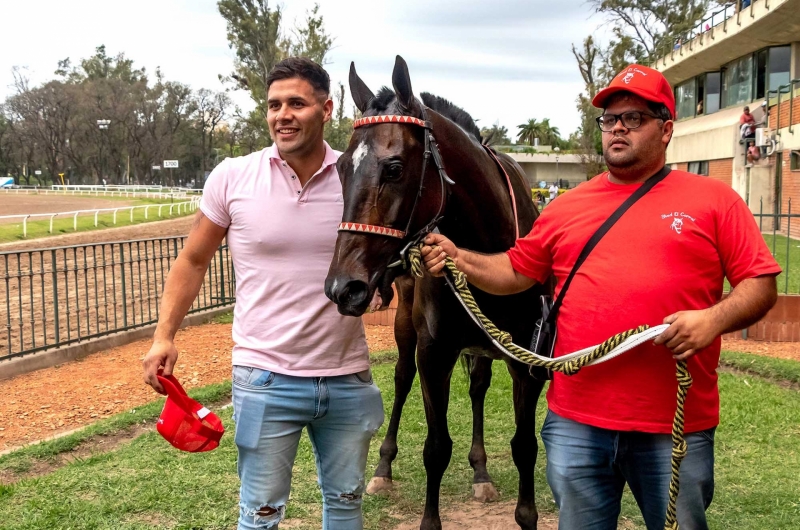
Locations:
(678, 220)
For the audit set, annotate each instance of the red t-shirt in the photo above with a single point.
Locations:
(668, 253)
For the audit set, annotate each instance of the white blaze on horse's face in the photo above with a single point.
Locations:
(359, 154)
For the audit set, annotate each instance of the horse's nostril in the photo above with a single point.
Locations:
(355, 293)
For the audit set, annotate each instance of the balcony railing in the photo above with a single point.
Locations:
(706, 29)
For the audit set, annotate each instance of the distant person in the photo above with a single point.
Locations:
(746, 3)
(553, 191)
(700, 108)
(747, 124)
(753, 153)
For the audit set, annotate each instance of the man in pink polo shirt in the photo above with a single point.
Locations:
(296, 361)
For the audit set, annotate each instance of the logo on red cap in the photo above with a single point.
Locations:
(642, 81)
(185, 423)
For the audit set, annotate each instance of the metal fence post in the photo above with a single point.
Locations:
(788, 245)
(221, 275)
(124, 286)
(55, 294)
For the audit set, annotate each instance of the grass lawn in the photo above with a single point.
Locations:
(147, 484)
(64, 225)
(791, 266)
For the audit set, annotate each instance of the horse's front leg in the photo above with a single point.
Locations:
(524, 447)
(480, 377)
(435, 369)
(404, 371)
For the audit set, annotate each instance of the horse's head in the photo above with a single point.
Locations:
(382, 174)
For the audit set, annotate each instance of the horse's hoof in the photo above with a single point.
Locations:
(485, 492)
(379, 485)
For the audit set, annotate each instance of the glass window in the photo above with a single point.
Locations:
(699, 168)
(685, 100)
(761, 74)
(780, 58)
(739, 81)
(701, 95)
(794, 161)
(712, 87)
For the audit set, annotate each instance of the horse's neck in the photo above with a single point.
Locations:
(479, 214)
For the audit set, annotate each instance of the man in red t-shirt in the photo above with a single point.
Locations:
(664, 261)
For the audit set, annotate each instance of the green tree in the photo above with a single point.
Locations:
(529, 131)
(550, 134)
(644, 30)
(495, 135)
(339, 130)
(588, 137)
(310, 39)
(254, 33)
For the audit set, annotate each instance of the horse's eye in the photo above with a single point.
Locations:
(393, 171)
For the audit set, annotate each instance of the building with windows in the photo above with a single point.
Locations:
(744, 54)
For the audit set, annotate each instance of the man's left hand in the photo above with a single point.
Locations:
(688, 333)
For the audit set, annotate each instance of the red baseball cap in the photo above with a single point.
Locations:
(640, 80)
(185, 423)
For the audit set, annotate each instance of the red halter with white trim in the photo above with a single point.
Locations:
(374, 229)
(431, 151)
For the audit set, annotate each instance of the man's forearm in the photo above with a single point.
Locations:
(492, 273)
(181, 288)
(746, 305)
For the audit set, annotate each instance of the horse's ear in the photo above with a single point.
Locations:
(401, 81)
(361, 93)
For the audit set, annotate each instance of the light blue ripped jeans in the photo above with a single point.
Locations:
(270, 410)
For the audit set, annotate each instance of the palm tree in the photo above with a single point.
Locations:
(529, 131)
(550, 134)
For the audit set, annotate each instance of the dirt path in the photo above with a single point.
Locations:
(47, 402)
(476, 516)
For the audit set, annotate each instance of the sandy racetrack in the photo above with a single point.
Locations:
(21, 204)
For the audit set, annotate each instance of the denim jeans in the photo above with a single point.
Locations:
(588, 467)
(270, 411)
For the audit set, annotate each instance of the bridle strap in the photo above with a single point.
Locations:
(431, 151)
(391, 118)
(372, 229)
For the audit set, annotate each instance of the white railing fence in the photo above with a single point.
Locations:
(178, 207)
(100, 192)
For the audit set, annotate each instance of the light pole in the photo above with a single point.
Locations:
(103, 126)
(557, 150)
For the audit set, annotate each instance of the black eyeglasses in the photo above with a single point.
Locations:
(630, 120)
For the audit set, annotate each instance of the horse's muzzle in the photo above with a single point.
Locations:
(351, 297)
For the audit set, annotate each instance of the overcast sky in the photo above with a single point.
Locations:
(506, 60)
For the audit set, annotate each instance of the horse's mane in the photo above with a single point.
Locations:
(456, 114)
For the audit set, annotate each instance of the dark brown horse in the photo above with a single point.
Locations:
(480, 377)
(394, 191)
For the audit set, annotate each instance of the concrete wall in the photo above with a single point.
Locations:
(537, 172)
(794, 69)
(706, 138)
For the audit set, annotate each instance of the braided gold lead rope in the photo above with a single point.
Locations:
(572, 367)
